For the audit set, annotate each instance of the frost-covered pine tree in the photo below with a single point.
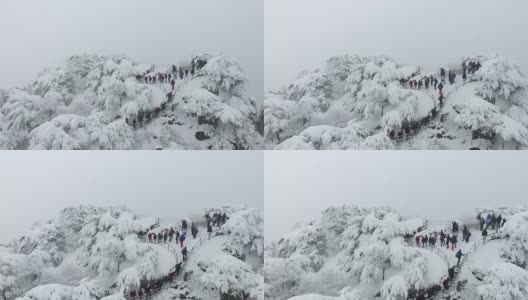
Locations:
(500, 78)
(395, 288)
(308, 241)
(245, 233)
(504, 281)
(516, 246)
(230, 276)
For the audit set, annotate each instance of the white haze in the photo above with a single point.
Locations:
(41, 34)
(302, 34)
(37, 185)
(438, 185)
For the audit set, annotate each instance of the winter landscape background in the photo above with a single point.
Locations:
(77, 225)
(110, 89)
(428, 34)
(161, 185)
(42, 35)
(345, 228)
(353, 90)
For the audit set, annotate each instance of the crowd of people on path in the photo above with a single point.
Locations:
(431, 81)
(216, 219)
(169, 234)
(470, 68)
(167, 77)
(490, 222)
(426, 82)
(446, 239)
(166, 235)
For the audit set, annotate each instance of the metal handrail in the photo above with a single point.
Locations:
(475, 246)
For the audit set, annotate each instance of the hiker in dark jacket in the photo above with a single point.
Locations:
(194, 231)
(173, 83)
(451, 272)
(182, 239)
(454, 241)
(160, 236)
(224, 218)
(165, 237)
(184, 225)
(178, 268)
(219, 219)
(185, 253)
(484, 235)
(186, 73)
(442, 238)
(458, 256)
(177, 235)
(209, 230)
(171, 234)
(181, 73)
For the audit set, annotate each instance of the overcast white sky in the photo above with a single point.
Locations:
(433, 184)
(39, 34)
(37, 185)
(302, 34)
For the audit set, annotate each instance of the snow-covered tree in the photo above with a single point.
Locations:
(379, 141)
(335, 219)
(85, 291)
(282, 275)
(349, 293)
(245, 232)
(48, 240)
(516, 245)
(224, 75)
(71, 132)
(308, 241)
(372, 243)
(108, 240)
(230, 276)
(478, 114)
(395, 288)
(282, 119)
(504, 281)
(500, 77)
(313, 84)
(325, 137)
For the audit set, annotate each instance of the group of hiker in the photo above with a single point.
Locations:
(170, 234)
(425, 82)
(446, 239)
(490, 222)
(495, 222)
(216, 219)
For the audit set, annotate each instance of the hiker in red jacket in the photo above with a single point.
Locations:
(445, 283)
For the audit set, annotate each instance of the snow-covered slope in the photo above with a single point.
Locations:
(358, 102)
(111, 102)
(359, 253)
(94, 253)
